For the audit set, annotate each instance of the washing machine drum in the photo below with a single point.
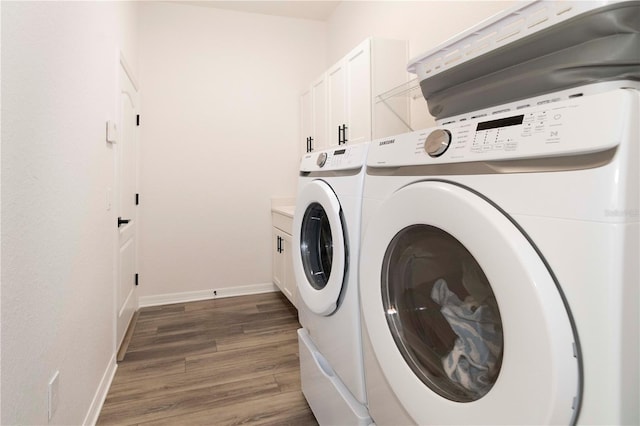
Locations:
(320, 252)
(465, 319)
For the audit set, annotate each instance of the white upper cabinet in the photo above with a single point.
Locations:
(357, 126)
(319, 93)
(306, 118)
(342, 99)
(314, 116)
(337, 105)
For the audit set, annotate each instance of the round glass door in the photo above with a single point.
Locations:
(442, 313)
(319, 250)
(316, 246)
(466, 323)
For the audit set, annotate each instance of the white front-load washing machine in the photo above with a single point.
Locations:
(499, 267)
(326, 240)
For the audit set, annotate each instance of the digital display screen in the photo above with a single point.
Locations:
(501, 122)
(339, 152)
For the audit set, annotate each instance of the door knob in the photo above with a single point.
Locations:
(122, 221)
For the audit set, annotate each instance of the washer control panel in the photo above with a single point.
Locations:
(574, 126)
(340, 158)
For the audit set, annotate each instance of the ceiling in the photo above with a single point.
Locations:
(315, 10)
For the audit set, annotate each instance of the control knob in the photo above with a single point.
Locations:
(437, 142)
(322, 159)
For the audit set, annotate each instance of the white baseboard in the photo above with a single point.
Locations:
(193, 296)
(101, 394)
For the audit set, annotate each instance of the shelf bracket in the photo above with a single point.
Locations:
(393, 111)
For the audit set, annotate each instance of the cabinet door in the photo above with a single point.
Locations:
(336, 81)
(282, 264)
(319, 91)
(277, 260)
(290, 288)
(343, 97)
(306, 120)
(358, 87)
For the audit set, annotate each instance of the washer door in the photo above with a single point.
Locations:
(464, 318)
(319, 247)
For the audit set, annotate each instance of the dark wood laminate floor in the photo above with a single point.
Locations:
(215, 362)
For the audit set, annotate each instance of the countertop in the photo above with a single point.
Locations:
(284, 210)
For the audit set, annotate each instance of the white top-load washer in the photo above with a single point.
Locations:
(326, 241)
(499, 270)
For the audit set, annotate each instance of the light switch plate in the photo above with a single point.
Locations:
(112, 132)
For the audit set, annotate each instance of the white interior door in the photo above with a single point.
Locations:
(126, 148)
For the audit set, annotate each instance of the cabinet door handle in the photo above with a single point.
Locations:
(342, 134)
(310, 144)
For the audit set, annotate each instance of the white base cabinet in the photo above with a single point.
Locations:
(282, 262)
(339, 106)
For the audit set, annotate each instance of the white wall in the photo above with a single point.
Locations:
(219, 130)
(59, 86)
(425, 24)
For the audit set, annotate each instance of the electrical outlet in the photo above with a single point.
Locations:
(53, 394)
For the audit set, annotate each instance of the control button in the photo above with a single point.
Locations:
(437, 142)
(322, 159)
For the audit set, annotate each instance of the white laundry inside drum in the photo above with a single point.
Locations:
(442, 313)
(474, 360)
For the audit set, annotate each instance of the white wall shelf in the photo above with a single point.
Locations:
(409, 89)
